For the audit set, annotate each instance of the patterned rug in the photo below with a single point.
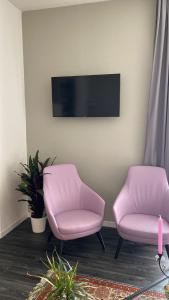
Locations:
(106, 290)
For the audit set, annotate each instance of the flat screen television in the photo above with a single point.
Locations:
(86, 96)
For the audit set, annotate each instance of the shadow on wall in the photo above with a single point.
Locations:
(12, 211)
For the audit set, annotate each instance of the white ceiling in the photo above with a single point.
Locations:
(42, 4)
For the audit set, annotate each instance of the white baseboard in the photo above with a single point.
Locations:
(111, 224)
(12, 226)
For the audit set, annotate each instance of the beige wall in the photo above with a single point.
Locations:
(110, 37)
(12, 115)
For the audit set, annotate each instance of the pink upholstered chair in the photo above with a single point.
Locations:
(73, 209)
(144, 196)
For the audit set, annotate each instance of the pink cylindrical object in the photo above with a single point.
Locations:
(160, 235)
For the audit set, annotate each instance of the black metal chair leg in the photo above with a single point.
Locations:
(119, 245)
(167, 250)
(99, 235)
(61, 246)
(50, 237)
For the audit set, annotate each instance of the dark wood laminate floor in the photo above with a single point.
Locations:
(21, 250)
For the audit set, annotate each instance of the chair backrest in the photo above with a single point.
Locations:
(147, 188)
(61, 188)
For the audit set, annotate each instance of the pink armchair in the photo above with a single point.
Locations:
(73, 209)
(142, 199)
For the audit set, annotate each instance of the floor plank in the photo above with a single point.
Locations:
(21, 252)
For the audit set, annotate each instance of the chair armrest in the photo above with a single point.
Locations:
(52, 221)
(122, 205)
(91, 200)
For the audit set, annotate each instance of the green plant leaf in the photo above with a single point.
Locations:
(22, 200)
(52, 162)
(25, 167)
(62, 281)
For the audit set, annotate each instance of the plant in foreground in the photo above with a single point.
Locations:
(166, 289)
(61, 278)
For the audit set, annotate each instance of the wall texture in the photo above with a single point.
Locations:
(111, 37)
(12, 115)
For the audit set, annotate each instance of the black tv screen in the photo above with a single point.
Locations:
(86, 96)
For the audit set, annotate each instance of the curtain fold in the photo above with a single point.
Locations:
(157, 136)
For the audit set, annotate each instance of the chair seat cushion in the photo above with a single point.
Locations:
(77, 221)
(143, 228)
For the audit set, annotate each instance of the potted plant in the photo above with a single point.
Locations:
(60, 283)
(31, 185)
(166, 289)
